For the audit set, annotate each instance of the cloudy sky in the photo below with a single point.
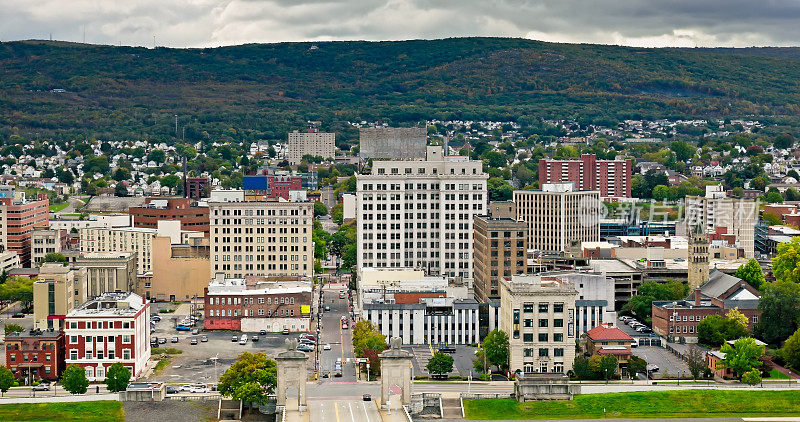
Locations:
(208, 23)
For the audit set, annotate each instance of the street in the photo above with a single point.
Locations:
(340, 340)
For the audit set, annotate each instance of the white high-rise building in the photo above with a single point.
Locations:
(313, 143)
(718, 215)
(419, 214)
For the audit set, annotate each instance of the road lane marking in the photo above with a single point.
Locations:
(336, 410)
(366, 415)
(352, 416)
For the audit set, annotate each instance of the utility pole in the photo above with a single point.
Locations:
(176, 125)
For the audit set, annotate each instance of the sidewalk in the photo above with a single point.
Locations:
(67, 398)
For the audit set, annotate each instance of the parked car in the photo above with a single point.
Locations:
(154, 342)
(308, 341)
(327, 308)
(195, 331)
(308, 336)
(156, 318)
(326, 374)
(303, 347)
(262, 332)
(243, 339)
(255, 338)
(45, 386)
(172, 390)
(18, 315)
(193, 342)
(162, 340)
(624, 318)
(234, 339)
(174, 339)
(327, 346)
(366, 397)
(285, 331)
(447, 349)
(183, 328)
(338, 374)
(652, 367)
(204, 339)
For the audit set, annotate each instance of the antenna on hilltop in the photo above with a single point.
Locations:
(84, 34)
(154, 41)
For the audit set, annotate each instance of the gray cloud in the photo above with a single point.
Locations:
(208, 23)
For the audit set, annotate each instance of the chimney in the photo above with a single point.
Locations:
(697, 297)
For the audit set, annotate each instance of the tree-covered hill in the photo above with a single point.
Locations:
(262, 90)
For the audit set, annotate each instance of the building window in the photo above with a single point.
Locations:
(73, 355)
(543, 352)
(527, 337)
(542, 322)
(126, 325)
(558, 323)
(126, 339)
(73, 339)
(558, 352)
(543, 337)
(558, 307)
(558, 337)
(544, 307)
(126, 354)
(527, 307)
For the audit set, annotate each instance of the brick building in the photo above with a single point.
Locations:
(19, 217)
(35, 355)
(192, 218)
(258, 303)
(272, 185)
(717, 296)
(111, 328)
(611, 177)
(501, 244)
(197, 188)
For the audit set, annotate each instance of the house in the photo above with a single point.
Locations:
(714, 357)
(35, 355)
(606, 340)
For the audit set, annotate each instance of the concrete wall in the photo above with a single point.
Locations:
(275, 325)
(394, 143)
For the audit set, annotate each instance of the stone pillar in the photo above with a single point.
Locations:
(291, 371)
(396, 375)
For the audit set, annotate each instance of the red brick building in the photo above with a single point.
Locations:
(111, 328)
(273, 184)
(19, 217)
(155, 209)
(611, 177)
(35, 355)
(197, 188)
(717, 296)
(258, 303)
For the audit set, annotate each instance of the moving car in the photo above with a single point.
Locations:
(652, 367)
(243, 339)
(195, 331)
(174, 339)
(327, 346)
(172, 390)
(327, 308)
(204, 339)
(366, 397)
(338, 374)
(18, 315)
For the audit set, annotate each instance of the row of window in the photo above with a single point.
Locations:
(126, 339)
(100, 355)
(249, 312)
(281, 300)
(100, 325)
(543, 352)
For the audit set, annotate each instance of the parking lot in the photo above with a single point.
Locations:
(651, 349)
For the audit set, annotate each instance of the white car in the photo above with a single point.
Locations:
(243, 339)
(327, 346)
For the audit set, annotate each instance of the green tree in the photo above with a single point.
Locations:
(171, 181)
(784, 141)
(55, 257)
(495, 345)
(320, 209)
(715, 330)
(495, 159)
(17, 289)
(367, 337)
(604, 365)
(499, 189)
(751, 377)
(13, 328)
(661, 193)
(6, 379)
(157, 155)
(121, 174)
(640, 304)
(337, 214)
(695, 359)
(786, 264)
(780, 311)
(683, 150)
(74, 379)
(117, 377)
(440, 363)
(120, 190)
(636, 365)
(252, 378)
(751, 273)
(773, 197)
(791, 350)
(742, 357)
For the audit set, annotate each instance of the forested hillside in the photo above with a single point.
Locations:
(262, 90)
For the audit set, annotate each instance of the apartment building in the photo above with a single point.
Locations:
(47, 241)
(419, 214)
(559, 217)
(313, 143)
(258, 303)
(55, 294)
(538, 314)
(19, 217)
(35, 355)
(192, 218)
(716, 211)
(501, 246)
(261, 238)
(111, 328)
(612, 178)
(421, 309)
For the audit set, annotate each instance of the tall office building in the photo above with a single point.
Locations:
(419, 214)
(558, 217)
(19, 217)
(501, 246)
(261, 238)
(611, 177)
(311, 143)
(715, 213)
(538, 314)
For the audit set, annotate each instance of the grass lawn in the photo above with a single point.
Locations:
(640, 405)
(777, 375)
(88, 411)
(58, 207)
